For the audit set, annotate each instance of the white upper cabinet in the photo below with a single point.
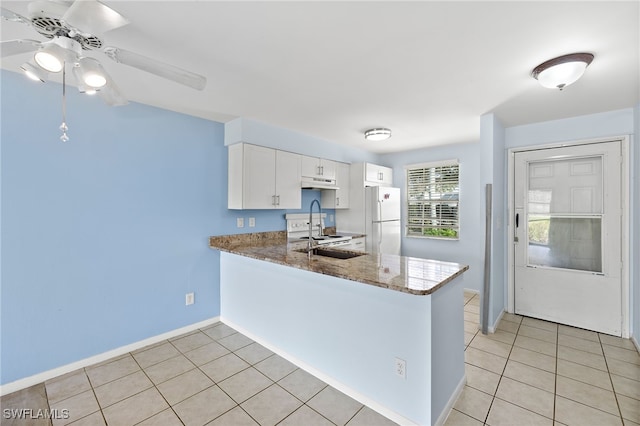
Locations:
(318, 168)
(288, 193)
(263, 178)
(339, 198)
(376, 175)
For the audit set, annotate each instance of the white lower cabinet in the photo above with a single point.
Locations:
(356, 244)
(263, 178)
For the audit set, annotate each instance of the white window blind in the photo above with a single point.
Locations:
(433, 197)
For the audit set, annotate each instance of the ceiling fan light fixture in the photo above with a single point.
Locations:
(52, 54)
(33, 72)
(558, 73)
(377, 134)
(92, 73)
(48, 60)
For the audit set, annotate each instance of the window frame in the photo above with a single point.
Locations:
(427, 165)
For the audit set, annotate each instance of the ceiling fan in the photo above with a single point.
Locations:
(73, 29)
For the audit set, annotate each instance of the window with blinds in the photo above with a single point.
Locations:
(433, 197)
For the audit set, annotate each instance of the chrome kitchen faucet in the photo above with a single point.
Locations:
(310, 242)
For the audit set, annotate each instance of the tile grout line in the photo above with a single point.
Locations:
(615, 394)
(237, 405)
(156, 387)
(493, 398)
(555, 376)
(273, 382)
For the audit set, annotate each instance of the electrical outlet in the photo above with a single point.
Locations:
(401, 368)
(252, 222)
(240, 222)
(189, 299)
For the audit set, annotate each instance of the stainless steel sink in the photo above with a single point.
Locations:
(336, 254)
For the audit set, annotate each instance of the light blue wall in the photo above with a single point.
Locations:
(611, 123)
(493, 170)
(102, 236)
(486, 162)
(469, 249)
(255, 132)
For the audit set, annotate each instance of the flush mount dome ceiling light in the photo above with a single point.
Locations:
(378, 134)
(557, 73)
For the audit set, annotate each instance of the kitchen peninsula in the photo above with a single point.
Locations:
(351, 322)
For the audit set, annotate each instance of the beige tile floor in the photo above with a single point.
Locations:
(528, 372)
(533, 372)
(214, 376)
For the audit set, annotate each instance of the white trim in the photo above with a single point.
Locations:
(510, 231)
(59, 371)
(626, 226)
(450, 162)
(444, 415)
(375, 406)
(494, 327)
(635, 342)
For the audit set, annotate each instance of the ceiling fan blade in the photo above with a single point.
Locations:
(93, 17)
(15, 47)
(111, 94)
(152, 66)
(11, 16)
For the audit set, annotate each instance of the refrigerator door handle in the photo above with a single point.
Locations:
(379, 223)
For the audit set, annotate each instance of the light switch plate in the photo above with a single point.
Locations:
(240, 222)
(252, 222)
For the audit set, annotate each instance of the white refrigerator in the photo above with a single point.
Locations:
(382, 220)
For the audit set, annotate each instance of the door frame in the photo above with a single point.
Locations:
(625, 222)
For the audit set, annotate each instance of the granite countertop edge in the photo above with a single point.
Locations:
(273, 247)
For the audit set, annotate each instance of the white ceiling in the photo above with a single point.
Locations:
(427, 70)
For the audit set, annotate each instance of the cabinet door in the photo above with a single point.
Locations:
(339, 198)
(343, 178)
(328, 169)
(386, 175)
(259, 185)
(310, 166)
(378, 174)
(287, 178)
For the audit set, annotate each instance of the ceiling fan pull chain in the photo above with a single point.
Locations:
(63, 126)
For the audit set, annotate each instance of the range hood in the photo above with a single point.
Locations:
(318, 183)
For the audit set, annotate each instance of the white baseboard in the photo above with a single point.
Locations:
(471, 290)
(635, 342)
(492, 328)
(375, 406)
(59, 371)
(452, 401)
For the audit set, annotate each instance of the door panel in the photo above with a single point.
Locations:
(568, 238)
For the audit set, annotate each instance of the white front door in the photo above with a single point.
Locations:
(568, 250)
